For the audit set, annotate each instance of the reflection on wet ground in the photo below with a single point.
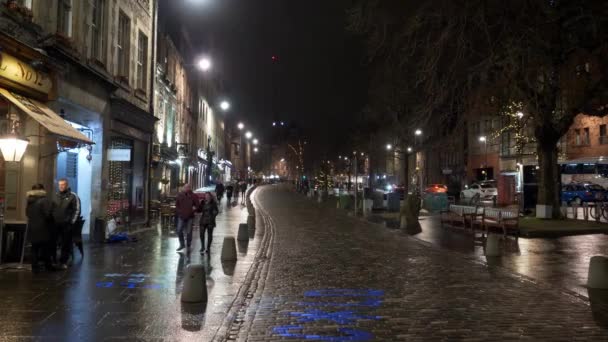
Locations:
(127, 290)
(561, 262)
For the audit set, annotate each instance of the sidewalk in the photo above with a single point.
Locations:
(127, 291)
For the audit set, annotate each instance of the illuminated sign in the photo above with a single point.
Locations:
(24, 74)
(119, 154)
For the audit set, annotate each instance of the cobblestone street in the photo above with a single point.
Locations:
(335, 278)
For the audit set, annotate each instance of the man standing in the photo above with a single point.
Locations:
(66, 210)
(185, 205)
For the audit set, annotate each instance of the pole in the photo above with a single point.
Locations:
(356, 183)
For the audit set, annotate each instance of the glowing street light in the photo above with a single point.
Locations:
(409, 149)
(240, 126)
(255, 149)
(204, 64)
(418, 132)
(282, 160)
(520, 114)
(389, 147)
(248, 135)
(225, 105)
(255, 141)
(482, 139)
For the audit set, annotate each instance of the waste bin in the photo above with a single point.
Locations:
(99, 231)
(393, 201)
(435, 201)
(12, 242)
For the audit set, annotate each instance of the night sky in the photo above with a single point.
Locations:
(319, 82)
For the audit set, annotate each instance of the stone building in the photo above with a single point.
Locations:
(98, 55)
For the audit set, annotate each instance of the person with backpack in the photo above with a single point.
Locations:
(209, 210)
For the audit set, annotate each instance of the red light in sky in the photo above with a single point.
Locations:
(274, 58)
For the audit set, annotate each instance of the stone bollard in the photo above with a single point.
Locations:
(493, 245)
(243, 234)
(598, 273)
(251, 222)
(195, 286)
(229, 249)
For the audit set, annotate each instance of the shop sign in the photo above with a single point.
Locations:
(119, 154)
(23, 74)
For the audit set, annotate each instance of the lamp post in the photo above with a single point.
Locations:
(225, 105)
(204, 64)
(484, 140)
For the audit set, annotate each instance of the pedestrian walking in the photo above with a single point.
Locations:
(209, 210)
(236, 192)
(219, 191)
(66, 210)
(39, 212)
(229, 191)
(185, 205)
(243, 191)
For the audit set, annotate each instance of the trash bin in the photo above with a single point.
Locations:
(99, 231)
(393, 201)
(13, 235)
(435, 201)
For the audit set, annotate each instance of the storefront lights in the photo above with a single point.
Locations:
(13, 147)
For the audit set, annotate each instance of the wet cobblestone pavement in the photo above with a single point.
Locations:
(336, 278)
(127, 291)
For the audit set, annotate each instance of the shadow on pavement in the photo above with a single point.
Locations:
(193, 316)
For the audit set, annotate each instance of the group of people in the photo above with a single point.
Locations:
(231, 190)
(53, 222)
(187, 205)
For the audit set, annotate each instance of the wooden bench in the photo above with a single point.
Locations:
(507, 220)
(457, 214)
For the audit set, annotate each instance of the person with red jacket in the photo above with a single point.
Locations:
(185, 206)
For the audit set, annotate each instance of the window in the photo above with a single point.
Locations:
(26, 3)
(142, 61)
(97, 30)
(603, 137)
(123, 44)
(64, 18)
(586, 139)
(577, 137)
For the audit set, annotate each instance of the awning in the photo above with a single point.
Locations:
(46, 117)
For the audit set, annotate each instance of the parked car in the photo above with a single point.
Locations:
(485, 190)
(582, 192)
(436, 188)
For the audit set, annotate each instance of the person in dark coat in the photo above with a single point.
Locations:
(243, 191)
(185, 205)
(66, 211)
(209, 210)
(40, 222)
(219, 191)
(229, 191)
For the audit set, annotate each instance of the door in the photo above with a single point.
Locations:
(67, 167)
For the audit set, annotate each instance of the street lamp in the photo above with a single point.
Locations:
(484, 140)
(409, 149)
(248, 135)
(418, 132)
(204, 64)
(389, 147)
(13, 147)
(240, 126)
(225, 105)
(255, 149)
(255, 141)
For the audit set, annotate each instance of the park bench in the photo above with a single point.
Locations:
(505, 219)
(457, 214)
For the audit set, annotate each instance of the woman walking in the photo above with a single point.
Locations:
(209, 210)
(40, 223)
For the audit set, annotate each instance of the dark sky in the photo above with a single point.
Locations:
(319, 81)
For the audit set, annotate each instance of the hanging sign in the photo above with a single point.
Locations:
(119, 154)
(22, 73)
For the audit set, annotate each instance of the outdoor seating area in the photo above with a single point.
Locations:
(483, 218)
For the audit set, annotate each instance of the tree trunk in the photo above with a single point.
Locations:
(549, 180)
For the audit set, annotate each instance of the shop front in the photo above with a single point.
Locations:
(127, 150)
(31, 133)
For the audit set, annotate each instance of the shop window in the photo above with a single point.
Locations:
(64, 18)
(97, 30)
(142, 61)
(119, 187)
(123, 44)
(603, 137)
